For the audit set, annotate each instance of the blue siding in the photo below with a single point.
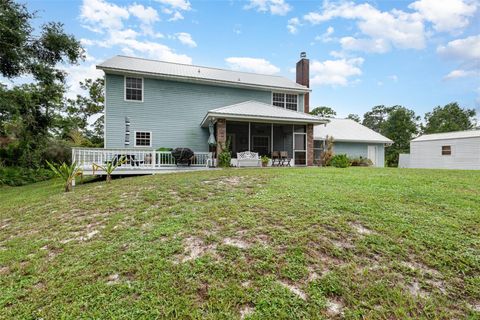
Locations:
(172, 111)
(356, 150)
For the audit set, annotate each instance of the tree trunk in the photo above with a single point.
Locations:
(109, 178)
(68, 186)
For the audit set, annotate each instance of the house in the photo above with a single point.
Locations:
(353, 139)
(449, 150)
(153, 104)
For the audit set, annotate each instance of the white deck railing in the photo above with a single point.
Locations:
(135, 158)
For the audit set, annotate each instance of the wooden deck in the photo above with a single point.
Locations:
(140, 161)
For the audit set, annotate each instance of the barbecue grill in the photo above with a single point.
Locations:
(182, 156)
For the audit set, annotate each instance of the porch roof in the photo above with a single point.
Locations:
(259, 111)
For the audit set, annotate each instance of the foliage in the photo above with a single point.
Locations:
(327, 154)
(354, 117)
(375, 118)
(28, 111)
(109, 167)
(66, 172)
(340, 161)
(264, 159)
(81, 110)
(17, 176)
(164, 149)
(324, 112)
(57, 151)
(401, 126)
(450, 117)
(396, 123)
(360, 162)
(225, 157)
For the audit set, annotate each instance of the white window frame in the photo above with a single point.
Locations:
(135, 139)
(125, 88)
(285, 99)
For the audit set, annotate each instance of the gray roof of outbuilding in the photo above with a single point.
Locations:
(186, 72)
(448, 135)
(254, 110)
(349, 131)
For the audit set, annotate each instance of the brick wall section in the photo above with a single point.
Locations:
(303, 78)
(309, 144)
(221, 135)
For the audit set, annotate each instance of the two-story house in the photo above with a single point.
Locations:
(153, 104)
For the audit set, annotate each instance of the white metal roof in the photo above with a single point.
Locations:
(448, 135)
(349, 131)
(254, 110)
(186, 72)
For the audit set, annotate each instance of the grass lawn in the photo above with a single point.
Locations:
(300, 243)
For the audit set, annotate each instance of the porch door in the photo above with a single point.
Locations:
(372, 154)
(300, 145)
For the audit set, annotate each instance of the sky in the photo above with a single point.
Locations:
(415, 53)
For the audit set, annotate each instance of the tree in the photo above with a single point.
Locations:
(27, 112)
(354, 117)
(450, 117)
(324, 112)
(82, 110)
(375, 118)
(400, 126)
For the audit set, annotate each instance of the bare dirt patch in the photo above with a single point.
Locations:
(113, 279)
(4, 270)
(413, 265)
(294, 289)
(415, 290)
(238, 243)
(246, 311)
(195, 248)
(246, 284)
(360, 229)
(335, 307)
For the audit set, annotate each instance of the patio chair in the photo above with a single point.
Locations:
(285, 159)
(276, 160)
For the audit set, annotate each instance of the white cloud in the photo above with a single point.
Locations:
(293, 25)
(393, 77)
(446, 16)
(366, 45)
(177, 4)
(459, 73)
(148, 15)
(326, 36)
(186, 39)
(98, 15)
(467, 49)
(252, 65)
(393, 28)
(466, 52)
(275, 7)
(176, 16)
(335, 72)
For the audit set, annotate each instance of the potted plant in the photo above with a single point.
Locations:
(264, 160)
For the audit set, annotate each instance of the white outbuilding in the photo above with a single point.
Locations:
(449, 150)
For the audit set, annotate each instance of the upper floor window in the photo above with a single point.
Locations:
(133, 89)
(446, 150)
(285, 100)
(143, 139)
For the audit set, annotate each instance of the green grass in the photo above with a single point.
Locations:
(380, 243)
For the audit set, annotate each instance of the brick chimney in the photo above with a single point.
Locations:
(303, 77)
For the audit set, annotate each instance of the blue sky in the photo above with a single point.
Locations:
(417, 53)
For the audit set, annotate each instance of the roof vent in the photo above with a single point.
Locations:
(303, 54)
(239, 79)
(198, 70)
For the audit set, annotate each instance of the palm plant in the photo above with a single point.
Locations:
(109, 167)
(67, 172)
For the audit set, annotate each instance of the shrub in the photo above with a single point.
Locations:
(340, 161)
(225, 157)
(360, 162)
(68, 173)
(16, 176)
(58, 151)
(164, 149)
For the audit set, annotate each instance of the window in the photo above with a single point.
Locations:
(143, 139)
(285, 100)
(446, 150)
(133, 89)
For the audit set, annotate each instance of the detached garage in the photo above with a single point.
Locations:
(450, 150)
(353, 139)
